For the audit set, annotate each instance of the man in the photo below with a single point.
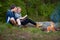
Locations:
(10, 16)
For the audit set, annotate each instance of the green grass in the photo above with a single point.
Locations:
(9, 32)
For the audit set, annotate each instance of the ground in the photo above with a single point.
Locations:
(9, 32)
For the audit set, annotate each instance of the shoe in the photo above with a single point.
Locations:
(38, 25)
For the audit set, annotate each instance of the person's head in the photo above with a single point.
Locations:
(13, 8)
(18, 9)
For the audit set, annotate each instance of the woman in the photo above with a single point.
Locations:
(23, 20)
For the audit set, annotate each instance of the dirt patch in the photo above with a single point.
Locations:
(1, 38)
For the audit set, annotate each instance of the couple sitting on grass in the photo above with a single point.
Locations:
(14, 17)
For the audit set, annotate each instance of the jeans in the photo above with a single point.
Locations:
(26, 21)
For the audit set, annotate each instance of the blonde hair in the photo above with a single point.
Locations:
(19, 9)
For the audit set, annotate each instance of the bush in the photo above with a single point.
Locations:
(35, 9)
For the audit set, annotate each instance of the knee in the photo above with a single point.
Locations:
(12, 18)
(18, 20)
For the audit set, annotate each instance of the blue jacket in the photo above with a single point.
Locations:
(9, 15)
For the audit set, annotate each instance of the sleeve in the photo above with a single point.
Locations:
(8, 19)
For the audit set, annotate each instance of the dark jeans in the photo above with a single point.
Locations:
(26, 21)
